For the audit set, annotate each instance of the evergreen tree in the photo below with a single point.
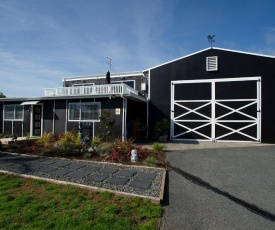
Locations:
(2, 95)
(106, 125)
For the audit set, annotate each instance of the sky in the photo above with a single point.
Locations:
(43, 41)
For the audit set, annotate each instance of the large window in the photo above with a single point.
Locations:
(89, 111)
(13, 112)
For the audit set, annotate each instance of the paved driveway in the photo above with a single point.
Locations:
(221, 188)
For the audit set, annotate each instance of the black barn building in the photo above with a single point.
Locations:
(212, 95)
(216, 95)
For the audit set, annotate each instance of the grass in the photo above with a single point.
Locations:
(36, 204)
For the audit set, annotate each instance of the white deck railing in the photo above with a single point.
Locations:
(91, 90)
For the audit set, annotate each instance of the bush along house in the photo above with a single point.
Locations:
(212, 95)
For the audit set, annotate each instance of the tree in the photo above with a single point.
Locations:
(106, 125)
(2, 95)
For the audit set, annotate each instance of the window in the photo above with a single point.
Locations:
(212, 63)
(130, 83)
(84, 111)
(13, 112)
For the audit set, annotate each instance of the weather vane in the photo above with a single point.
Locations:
(211, 39)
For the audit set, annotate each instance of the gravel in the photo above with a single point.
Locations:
(77, 171)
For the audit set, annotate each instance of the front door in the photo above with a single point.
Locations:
(36, 124)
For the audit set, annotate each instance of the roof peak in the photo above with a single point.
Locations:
(211, 48)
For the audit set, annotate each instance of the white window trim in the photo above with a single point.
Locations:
(83, 84)
(83, 103)
(14, 105)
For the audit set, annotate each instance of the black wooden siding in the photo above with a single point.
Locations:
(230, 65)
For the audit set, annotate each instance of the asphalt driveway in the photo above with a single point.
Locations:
(221, 188)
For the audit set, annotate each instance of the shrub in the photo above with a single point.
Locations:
(106, 125)
(77, 140)
(158, 147)
(162, 126)
(104, 148)
(87, 155)
(95, 141)
(48, 152)
(70, 136)
(14, 146)
(151, 161)
(30, 149)
(142, 152)
(125, 146)
(1, 145)
(66, 147)
(45, 139)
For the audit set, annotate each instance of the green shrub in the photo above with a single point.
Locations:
(14, 146)
(66, 147)
(45, 139)
(77, 140)
(158, 147)
(88, 155)
(95, 141)
(48, 152)
(151, 161)
(104, 148)
(106, 125)
(70, 136)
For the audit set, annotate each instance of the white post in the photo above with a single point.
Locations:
(172, 111)
(213, 113)
(259, 109)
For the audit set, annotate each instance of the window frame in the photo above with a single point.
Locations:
(123, 81)
(83, 84)
(15, 106)
(80, 104)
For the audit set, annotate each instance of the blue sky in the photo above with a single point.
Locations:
(43, 41)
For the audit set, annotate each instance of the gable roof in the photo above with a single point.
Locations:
(215, 48)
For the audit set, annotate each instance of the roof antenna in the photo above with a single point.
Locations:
(109, 62)
(211, 40)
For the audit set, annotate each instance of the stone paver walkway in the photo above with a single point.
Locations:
(128, 180)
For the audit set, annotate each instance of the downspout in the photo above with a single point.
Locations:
(148, 101)
(53, 117)
(66, 120)
(22, 127)
(124, 118)
(3, 129)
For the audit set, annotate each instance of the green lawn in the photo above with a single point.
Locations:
(36, 204)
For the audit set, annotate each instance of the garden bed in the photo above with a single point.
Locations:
(69, 146)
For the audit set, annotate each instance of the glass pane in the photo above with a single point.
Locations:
(9, 112)
(130, 83)
(18, 112)
(74, 111)
(90, 111)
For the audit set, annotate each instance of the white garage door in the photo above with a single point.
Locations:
(216, 109)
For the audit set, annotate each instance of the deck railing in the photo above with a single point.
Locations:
(91, 90)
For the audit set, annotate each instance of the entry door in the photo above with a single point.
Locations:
(216, 109)
(37, 126)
